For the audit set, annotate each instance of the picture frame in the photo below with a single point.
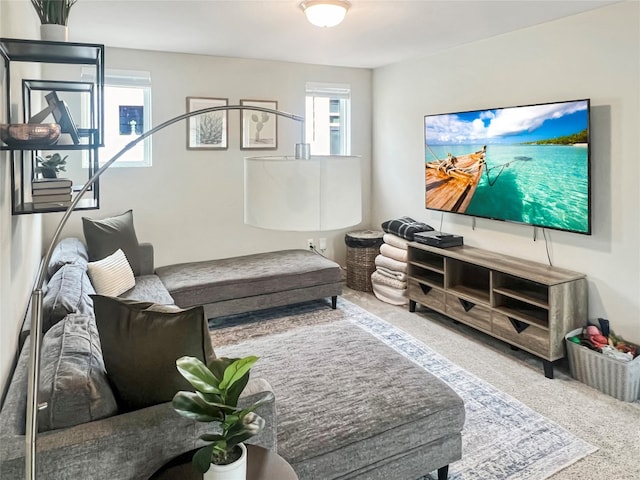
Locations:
(258, 130)
(208, 131)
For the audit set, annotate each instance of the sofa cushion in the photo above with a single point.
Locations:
(105, 236)
(149, 288)
(112, 275)
(73, 379)
(141, 344)
(199, 283)
(66, 292)
(68, 250)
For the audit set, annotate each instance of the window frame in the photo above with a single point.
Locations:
(133, 79)
(332, 91)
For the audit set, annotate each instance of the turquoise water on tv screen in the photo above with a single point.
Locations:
(546, 185)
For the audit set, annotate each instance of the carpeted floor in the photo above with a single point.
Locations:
(609, 424)
(543, 447)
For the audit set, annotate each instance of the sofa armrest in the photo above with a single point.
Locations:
(146, 258)
(132, 445)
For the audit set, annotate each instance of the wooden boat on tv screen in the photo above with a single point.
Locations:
(451, 183)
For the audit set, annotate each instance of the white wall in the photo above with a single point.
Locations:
(20, 236)
(190, 203)
(594, 55)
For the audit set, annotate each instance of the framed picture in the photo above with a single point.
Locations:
(207, 131)
(258, 130)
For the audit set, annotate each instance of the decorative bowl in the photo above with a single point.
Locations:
(29, 134)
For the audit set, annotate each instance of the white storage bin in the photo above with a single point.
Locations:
(613, 377)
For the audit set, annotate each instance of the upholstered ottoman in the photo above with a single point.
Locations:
(252, 282)
(350, 407)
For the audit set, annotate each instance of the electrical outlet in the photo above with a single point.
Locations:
(322, 244)
(311, 243)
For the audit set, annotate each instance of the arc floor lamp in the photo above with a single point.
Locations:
(301, 193)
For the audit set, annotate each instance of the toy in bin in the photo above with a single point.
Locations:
(603, 340)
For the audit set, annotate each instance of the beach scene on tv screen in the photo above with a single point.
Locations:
(527, 164)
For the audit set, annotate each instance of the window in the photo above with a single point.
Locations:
(327, 122)
(127, 114)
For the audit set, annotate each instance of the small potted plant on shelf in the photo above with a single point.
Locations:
(50, 165)
(218, 388)
(54, 16)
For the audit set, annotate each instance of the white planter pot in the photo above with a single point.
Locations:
(234, 471)
(54, 33)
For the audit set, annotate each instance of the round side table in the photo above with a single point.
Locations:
(262, 464)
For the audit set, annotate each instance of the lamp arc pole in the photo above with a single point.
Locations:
(302, 151)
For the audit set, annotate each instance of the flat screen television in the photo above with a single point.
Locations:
(528, 164)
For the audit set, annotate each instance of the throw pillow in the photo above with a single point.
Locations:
(68, 250)
(67, 292)
(141, 343)
(112, 275)
(73, 380)
(105, 236)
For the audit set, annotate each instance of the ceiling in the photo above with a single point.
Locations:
(374, 32)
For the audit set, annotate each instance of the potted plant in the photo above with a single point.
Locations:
(50, 165)
(218, 387)
(54, 15)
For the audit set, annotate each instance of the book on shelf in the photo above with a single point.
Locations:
(51, 191)
(66, 197)
(51, 205)
(39, 183)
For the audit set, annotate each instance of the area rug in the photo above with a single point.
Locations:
(502, 438)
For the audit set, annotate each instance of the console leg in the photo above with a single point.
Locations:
(443, 473)
(548, 368)
(334, 302)
(412, 306)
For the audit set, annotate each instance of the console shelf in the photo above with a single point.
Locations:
(526, 304)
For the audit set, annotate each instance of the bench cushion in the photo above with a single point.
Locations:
(199, 283)
(394, 405)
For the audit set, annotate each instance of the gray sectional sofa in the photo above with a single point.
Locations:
(388, 418)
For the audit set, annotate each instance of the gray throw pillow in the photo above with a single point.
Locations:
(141, 343)
(68, 250)
(73, 380)
(66, 292)
(107, 235)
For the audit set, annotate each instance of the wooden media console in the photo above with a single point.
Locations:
(526, 304)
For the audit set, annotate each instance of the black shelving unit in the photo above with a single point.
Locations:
(90, 132)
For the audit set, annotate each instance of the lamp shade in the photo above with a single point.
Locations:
(325, 13)
(321, 193)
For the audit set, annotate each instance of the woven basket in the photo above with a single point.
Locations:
(362, 250)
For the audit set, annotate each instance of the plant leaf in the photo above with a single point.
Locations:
(197, 374)
(234, 391)
(211, 437)
(236, 371)
(202, 458)
(190, 405)
(219, 365)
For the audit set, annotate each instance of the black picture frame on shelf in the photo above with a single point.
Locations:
(60, 111)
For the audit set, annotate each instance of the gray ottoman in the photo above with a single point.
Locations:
(252, 282)
(351, 407)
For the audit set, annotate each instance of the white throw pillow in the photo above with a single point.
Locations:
(112, 275)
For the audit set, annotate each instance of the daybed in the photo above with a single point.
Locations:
(347, 405)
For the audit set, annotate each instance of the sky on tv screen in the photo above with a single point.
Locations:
(507, 125)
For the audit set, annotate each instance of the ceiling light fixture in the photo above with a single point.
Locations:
(325, 13)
